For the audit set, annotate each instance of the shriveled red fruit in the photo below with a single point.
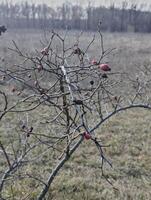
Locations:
(23, 126)
(94, 62)
(105, 67)
(91, 82)
(87, 135)
(31, 129)
(39, 67)
(28, 134)
(78, 51)
(104, 76)
(45, 51)
(115, 98)
(13, 89)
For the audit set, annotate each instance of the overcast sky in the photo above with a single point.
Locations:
(55, 3)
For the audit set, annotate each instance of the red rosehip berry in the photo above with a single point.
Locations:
(87, 135)
(94, 62)
(105, 67)
(39, 67)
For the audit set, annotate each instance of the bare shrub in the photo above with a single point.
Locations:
(73, 94)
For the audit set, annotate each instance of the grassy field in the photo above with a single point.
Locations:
(127, 134)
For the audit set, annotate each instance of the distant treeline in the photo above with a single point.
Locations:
(123, 19)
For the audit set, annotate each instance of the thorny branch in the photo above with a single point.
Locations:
(74, 90)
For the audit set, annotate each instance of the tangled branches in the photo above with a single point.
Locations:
(78, 93)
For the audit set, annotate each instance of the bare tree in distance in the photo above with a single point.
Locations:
(124, 17)
(80, 93)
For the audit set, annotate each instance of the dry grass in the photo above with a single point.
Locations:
(128, 133)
